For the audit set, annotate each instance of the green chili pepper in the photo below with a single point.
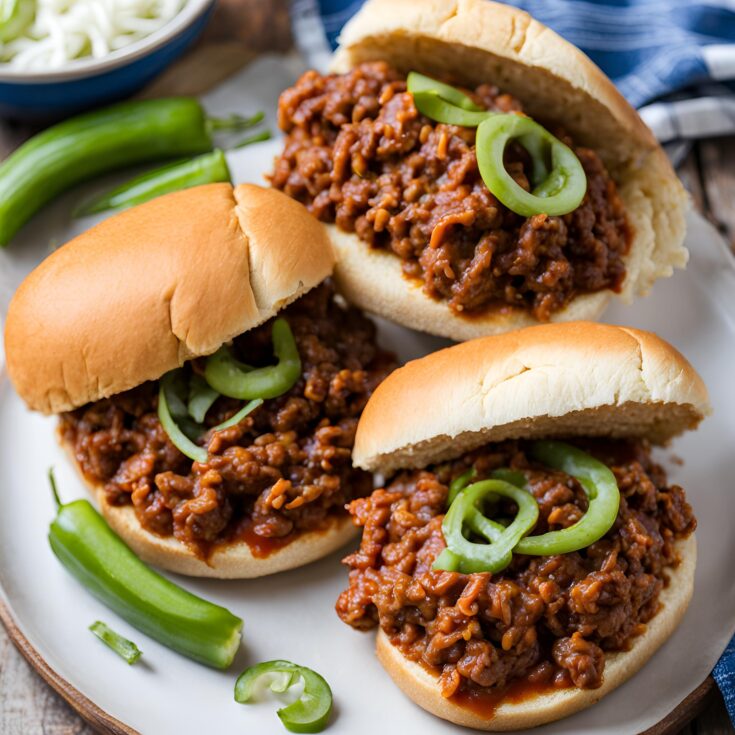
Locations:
(121, 646)
(206, 169)
(226, 376)
(438, 109)
(309, 713)
(99, 559)
(468, 557)
(178, 437)
(558, 179)
(460, 483)
(15, 17)
(416, 82)
(601, 488)
(98, 142)
(201, 398)
(559, 192)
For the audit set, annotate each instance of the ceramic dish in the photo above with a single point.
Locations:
(83, 83)
(291, 615)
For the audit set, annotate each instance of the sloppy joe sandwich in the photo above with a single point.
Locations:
(527, 554)
(208, 379)
(477, 172)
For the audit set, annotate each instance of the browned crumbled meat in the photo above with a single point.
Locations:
(543, 618)
(359, 154)
(286, 468)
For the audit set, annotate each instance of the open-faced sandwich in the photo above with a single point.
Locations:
(478, 172)
(207, 377)
(527, 554)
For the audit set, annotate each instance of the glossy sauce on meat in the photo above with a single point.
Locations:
(359, 154)
(285, 469)
(546, 621)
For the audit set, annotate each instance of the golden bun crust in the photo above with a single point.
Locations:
(156, 285)
(420, 686)
(478, 40)
(231, 561)
(568, 379)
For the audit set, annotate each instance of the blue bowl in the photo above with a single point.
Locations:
(85, 83)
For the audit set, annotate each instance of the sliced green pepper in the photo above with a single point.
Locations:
(179, 439)
(309, 713)
(246, 410)
(560, 191)
(206, 169)
(225, 375)
(438, 109)
(99, 559)
(123, 647)
(416, 83)
(201, 398)
(467, 557)
(602, 491)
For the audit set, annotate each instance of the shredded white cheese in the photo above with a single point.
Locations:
(63, 30)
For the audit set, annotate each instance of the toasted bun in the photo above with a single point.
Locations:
(159, 284)
(418, 684)
(574, 379)
(477, 41)
(230, 561)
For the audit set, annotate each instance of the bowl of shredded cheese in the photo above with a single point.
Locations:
(61, 56)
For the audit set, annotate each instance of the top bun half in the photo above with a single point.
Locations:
(554, 380)
(479, 41)
(154, 286)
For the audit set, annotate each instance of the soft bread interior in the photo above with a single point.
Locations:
(420, 686)
(554, 380)
(477, 41)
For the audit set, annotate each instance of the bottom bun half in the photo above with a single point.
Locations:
(228, 561)
(423, 688)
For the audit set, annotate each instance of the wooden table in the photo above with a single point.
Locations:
(239, 31)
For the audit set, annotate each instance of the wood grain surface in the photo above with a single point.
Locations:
(241, 29)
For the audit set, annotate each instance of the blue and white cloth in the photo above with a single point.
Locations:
(672, 59)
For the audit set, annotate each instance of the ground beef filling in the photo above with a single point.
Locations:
(284, 469)
(549, 620)
(359, 154)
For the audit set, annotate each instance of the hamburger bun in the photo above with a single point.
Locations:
(578, 379)
(420, 686)
(475, 41)
(200, 266)
(552, 380)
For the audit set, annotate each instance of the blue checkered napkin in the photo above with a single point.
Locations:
(673, 59)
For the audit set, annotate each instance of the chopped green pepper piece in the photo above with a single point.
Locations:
(438, 109)
(416, 82)
(468, 557)
(557, 190)
(246, 410)
(98, 558)
(121, 646)
(309, 713)
(179, 439)
(201, 398)
(226, 376)
(601, 488)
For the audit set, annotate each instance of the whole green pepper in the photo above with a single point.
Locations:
(206, 169)
(99, 559)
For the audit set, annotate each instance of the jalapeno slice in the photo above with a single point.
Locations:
(599, 485)
(309, 713)
(467, 557)
(228, 377)
(558, 188)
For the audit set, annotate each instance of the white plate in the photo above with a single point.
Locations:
(292, 615)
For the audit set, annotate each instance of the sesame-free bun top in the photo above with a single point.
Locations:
(554, 380)
(156, 285)
(478, 41)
